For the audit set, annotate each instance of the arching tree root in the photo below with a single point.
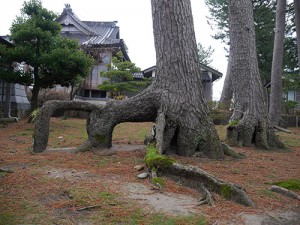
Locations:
(196, 178)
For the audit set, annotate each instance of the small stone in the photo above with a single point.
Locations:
(60, 137)
(139, 167)
(142, 175)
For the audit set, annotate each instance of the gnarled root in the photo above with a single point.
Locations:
(285, 192)
(230, 152)
(206, 198)
(41, 128)
(194, 177)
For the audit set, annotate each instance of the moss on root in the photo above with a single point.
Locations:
(291, 184)
(154, 160)
(226, 191)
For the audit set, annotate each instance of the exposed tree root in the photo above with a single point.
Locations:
(41, 129)
(246, 134)
(194, 177)
(282, 129)
(230, 152)
(206, 198)
(284, 191)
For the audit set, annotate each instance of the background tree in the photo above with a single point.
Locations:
(10, 72)
(205, 54)
(120, 78)
(37, 41)
(227, 91)
(276, 73)
(249, 122)
(264, 17)
(297, 22)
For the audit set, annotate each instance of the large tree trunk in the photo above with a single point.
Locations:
(276, 74)
(297, 21)
(227, 91)
(174, 100)
(183, 116)
(250, 110)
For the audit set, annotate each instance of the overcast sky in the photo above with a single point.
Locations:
(135, 22)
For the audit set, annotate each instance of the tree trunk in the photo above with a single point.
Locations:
(250, 112)
(227, 92)
(182, 110)
(276, 73)
(175, 98)
(297, 21)
(35, 90)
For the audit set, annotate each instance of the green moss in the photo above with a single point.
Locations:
(158, 180)
(34, 114)
(226, 191)
(233, 123)
(291, 184)
(155, 160)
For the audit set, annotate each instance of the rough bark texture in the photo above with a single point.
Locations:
(41, 128)
(227, 91)
(250, 111)
(276, 73)
(196, 178)
(297, 21)
(187, 127)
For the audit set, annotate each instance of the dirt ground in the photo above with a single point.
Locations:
(63, 187)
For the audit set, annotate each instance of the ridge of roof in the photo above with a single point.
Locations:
(68, 11)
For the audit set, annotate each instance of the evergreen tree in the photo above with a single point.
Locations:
(37, 42)
(205, 54)
(120, 78)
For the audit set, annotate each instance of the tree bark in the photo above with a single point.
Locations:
(276, 73)
(35, 90)
(250, 110)
(196, 178)
(297, 21)
(41, 128)
(227, 92)
(187, 125)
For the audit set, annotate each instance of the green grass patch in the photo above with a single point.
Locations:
(291, 184)
(290, 140)
(165, 220)
(268, 193)
(7, 218)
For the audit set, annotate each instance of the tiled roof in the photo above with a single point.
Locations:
(96, 33)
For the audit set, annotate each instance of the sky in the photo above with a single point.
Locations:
(135, 22)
